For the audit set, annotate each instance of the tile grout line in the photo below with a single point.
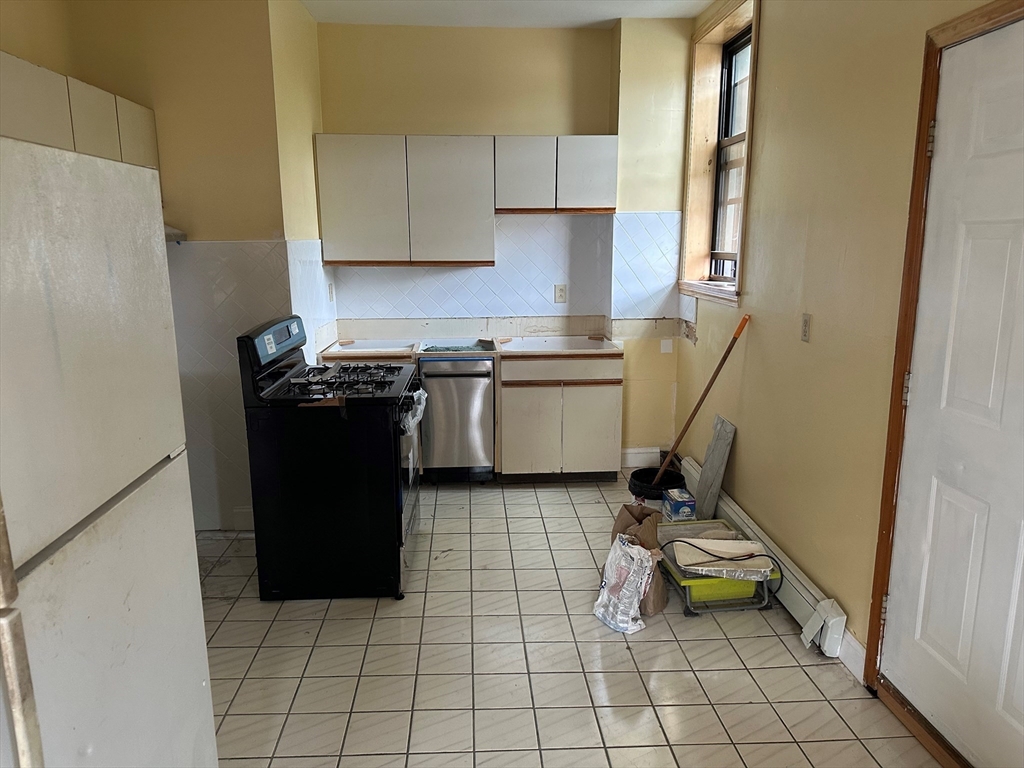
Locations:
(583, 671)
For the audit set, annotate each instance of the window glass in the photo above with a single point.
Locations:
(729, 182)
(730, 197)
(740, 70)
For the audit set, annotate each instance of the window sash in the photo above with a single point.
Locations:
(730, 184)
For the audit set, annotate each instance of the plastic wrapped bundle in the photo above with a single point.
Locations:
(627, 575)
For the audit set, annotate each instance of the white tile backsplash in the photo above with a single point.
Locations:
(219, 290)
(533, 253)
(308, 281)
(645, 265)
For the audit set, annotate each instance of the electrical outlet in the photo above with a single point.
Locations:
(561, 294)
(330, 292)
(805, 328)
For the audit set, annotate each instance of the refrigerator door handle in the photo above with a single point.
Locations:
(20, 696)
(8, 581)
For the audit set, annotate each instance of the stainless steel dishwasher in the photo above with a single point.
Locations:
(458, 426)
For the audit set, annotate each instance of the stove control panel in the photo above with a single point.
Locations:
(278, 338)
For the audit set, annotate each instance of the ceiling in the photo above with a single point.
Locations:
(499, 13)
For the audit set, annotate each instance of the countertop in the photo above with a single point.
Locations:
(532, 347)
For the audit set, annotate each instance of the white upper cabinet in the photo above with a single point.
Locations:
(34, 104)
(137, 126)
(451, 198)
(587, 171)
(524, 171)
(94, 120)
(364, 198)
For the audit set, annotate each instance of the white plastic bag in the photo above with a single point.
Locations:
(412, 417)
(627, 576)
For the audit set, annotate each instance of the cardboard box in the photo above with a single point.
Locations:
(677, 504)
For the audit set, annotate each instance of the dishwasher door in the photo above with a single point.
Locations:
(458, 425)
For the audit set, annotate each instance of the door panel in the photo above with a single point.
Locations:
(531, 429)
(451, 198)
(114, 629)
(35, 105)
(458, 425)
(364, 197)
(591, 428)
(587, 171)
(524, 171)
(952, 637)
(89, 391)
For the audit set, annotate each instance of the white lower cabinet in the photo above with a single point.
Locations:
(591, 428)
(561, 427)
(531, 429)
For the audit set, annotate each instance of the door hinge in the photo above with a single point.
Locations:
(906, 388)
(930, 147)
(885, 606)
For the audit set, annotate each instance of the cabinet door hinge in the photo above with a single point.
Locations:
(906, 388)
(930, 149)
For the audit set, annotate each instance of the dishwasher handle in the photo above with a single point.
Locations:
(457, 375)
(456, 366)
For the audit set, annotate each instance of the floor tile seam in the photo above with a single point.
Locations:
(244, 674)
(416, 677)
(305, 666)
(362, 663)
(579, 655)
(714, 709)
(654, 708)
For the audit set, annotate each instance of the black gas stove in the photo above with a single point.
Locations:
(380, 381)
(335, 479)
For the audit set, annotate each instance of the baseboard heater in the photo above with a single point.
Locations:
(798, 593)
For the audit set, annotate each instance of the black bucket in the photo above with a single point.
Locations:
(641, 482)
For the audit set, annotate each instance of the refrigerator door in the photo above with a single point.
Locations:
(114, 629)
(89, 392)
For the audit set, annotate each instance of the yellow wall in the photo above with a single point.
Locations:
(38, 31)
(654, 63)
(437, 80)
(648, 393)
(205, 70)
(297, 100)
(835, 117)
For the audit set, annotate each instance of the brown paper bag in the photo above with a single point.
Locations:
(642, 522)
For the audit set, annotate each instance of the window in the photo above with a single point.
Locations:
(723, 79)
(732, 142)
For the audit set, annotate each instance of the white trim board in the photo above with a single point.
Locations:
(798, 593)
(641, 457)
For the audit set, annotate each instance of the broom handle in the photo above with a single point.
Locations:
(703, 395)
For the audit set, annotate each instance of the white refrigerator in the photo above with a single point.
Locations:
(101, 625)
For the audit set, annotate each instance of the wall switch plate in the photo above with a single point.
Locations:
(805, 328)
(561, 294)
(330, 292)
(666, 346)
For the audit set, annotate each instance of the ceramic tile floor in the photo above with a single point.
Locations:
(494, 659)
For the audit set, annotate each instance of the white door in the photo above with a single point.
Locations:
(591, 427)
(531, 429)
(89, 391)
(587, 171)
(364, 197)
(451, 198)
(114, 631)
(952, 638)
(524, 171)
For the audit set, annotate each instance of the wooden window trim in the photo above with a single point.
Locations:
(729, 18)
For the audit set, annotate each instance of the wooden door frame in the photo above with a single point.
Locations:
(973, 24)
